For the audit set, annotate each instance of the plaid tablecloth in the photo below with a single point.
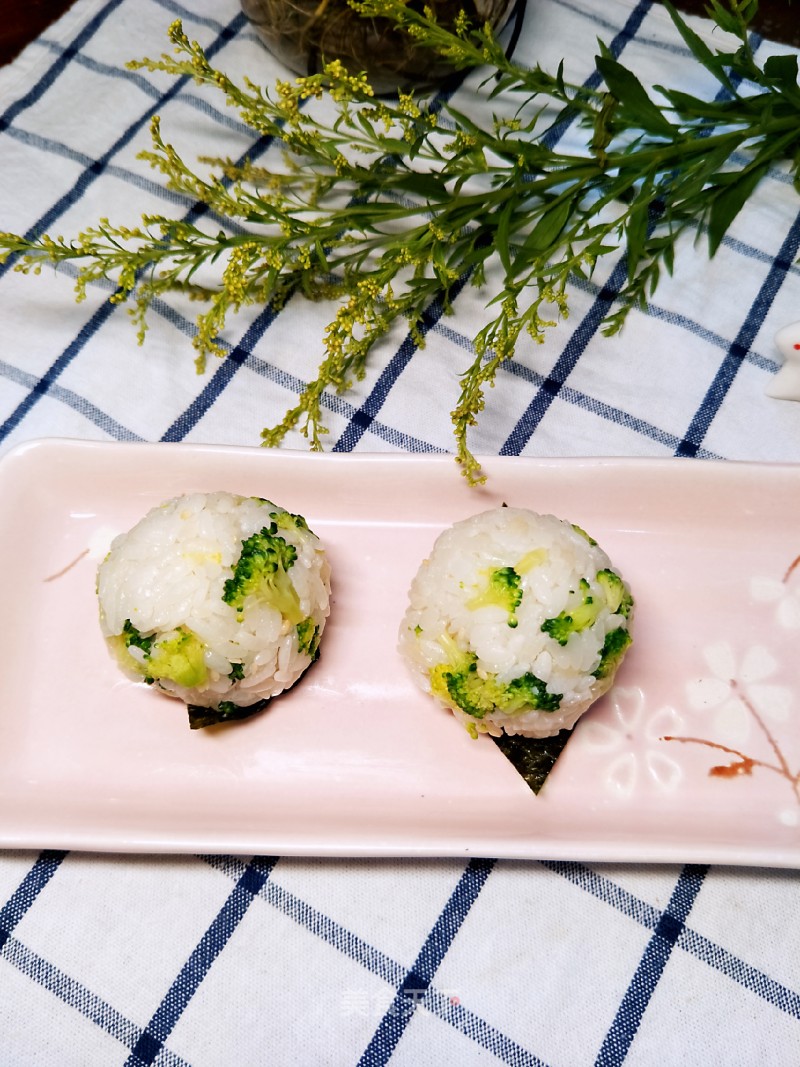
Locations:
(213, 960)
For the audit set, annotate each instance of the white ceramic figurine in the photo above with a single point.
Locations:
(786, 383)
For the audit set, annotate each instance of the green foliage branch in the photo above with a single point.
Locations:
(393, 204)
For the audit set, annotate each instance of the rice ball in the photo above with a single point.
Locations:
(217, 599)
(517, 622)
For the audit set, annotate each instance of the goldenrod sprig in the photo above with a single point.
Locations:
(384, 206)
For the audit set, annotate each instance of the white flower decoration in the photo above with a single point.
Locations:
(732, 721)
(621, 739)
(784, 593)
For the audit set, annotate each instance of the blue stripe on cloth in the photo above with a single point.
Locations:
(139, 181)
(221, 378)
(57, 68)
(447, 1007)
(615, 415)
(106, 70)
(27, 891)
(536, 410)
(316, 922)
(82, 1000)
(44, 384)
(437, 1002)
(576, 346)
(363, 417)
(581, 400)
(593, 14)
(626, 34)
(710, 337)
(152, 1038)
(187, 15)
(755, 981)
(57, 148)
(73, 400)
(739, 350)
(416, 982)
(254, 364)
(670, 925)
(749, 977)
(92, 172)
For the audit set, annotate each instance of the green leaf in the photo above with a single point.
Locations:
(548, 227)
(729, 201)
(502, 236)
(700, 49)
(733, 21)
(428, 186)
(636, 234)
(639, 108)
(782, 72)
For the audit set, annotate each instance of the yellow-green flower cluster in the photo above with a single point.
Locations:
(383, 209)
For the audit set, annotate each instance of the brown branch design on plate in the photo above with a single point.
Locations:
(790, 570)
(743, 764)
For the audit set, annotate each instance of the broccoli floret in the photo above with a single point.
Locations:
(504, 590)
(460, 685)
(308, 637)
(285, 520)
(179, 659)
(583, 533)
(131, 636)
(463, 687)
(619, 600)
(614, 648)
(528, 691)
(576, 619)
(262, 571)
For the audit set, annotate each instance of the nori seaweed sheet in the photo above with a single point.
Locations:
(227, 711)
(200, 717)
(533, 757)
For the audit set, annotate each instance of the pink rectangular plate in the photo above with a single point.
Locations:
(355, 761)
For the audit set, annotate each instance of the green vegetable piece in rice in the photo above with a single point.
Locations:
(460, 684)
(262, 571)
(583, 533)
(614, 648)
(618, 597)
(179, 659)
(308, 636)
(503, 591)
(133, 638)
(285, 520)
(575, 619)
